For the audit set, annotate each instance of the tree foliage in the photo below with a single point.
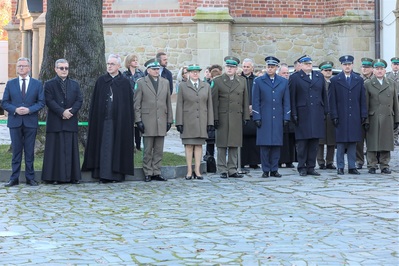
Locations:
(74, 31)
(5, 15)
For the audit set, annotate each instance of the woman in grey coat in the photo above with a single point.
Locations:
(194, 116)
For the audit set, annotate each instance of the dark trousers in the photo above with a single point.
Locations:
(307, 153)
(269, 156)
(23, 140)
(350, 148)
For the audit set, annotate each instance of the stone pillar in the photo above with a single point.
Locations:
(25, 43)
(213, 34)
(35, 54)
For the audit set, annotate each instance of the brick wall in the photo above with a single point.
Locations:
(251, 8)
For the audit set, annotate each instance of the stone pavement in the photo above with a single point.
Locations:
(293, 220)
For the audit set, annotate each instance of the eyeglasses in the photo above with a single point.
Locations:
(22, 66)
(63, 68)
(111, 64)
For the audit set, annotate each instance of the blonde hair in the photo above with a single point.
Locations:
(129, 58)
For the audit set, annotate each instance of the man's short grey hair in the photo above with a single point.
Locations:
(24, 59)
(248, 60)
(117, 57)
(60, 61)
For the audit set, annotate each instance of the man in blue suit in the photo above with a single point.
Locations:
(308, 109)
(348, 111)
(271, 111)
(22, 99)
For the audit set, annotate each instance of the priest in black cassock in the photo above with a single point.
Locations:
(61, 162)
(110, 141)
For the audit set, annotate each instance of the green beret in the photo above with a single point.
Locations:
(231, 61)
(152, 63)
(367, 62)
(326, 65)
(395, 60)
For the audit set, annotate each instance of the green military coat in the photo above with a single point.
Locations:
(231, 108)
(383, 112)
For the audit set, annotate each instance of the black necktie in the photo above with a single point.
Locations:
(310, 76)
(272, 80)
(195, 85)
(63, 87)
(23, 88)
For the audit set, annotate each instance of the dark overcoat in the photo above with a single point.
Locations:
(194, 109)
(383, 112)
(123, 118)
(348, 104)
(309, 104)
(57, 103)
(231, 108)
(329, 139)
(271, 105)
(153, 107)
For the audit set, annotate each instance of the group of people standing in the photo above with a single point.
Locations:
(260, 115)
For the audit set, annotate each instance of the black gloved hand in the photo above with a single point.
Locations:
(210, 128)
(286, 122)
(335, 122)
(180, 128)
(395, 126)
(364, 120)
(258, 123)
(245, 122)
(216, 124)
(140, 126)
(366, 126)
(168, 126)
(295, 120)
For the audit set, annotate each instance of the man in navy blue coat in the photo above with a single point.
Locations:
(308, 110)
(23, 98)
(271, 110)
(348, 112)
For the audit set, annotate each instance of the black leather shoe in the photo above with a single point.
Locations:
(55, 183)
(32, 183)
(223, 175)
(340, 171)
(275, 174)
(199, 177)
(147, 178)
(372, 170)
(265, 174)
(189, 177)
(159, 178)
(322, 166)
(75, 182)
(359, 166)
(11, 183)
(235, 175)
(331, 166)
(353, 171)
(313, 172)
(386, 171)
(254, 166)
(289, 165)
(303, 173)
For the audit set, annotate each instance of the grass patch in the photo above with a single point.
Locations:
(169, 159)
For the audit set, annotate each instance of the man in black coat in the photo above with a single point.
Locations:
(162, 58)
(110, 141)
(61, 162)
(308, 110)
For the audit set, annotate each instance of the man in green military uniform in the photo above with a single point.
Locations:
(231, 109)
(383, 117)
(367, 73)
(394, 75)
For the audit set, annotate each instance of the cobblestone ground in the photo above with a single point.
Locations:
(325, 220)
(328, 220)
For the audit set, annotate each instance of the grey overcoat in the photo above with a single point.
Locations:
(383, 112)
(194, 109)
(153, 108)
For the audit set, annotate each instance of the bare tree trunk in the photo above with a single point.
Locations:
(74, 31)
